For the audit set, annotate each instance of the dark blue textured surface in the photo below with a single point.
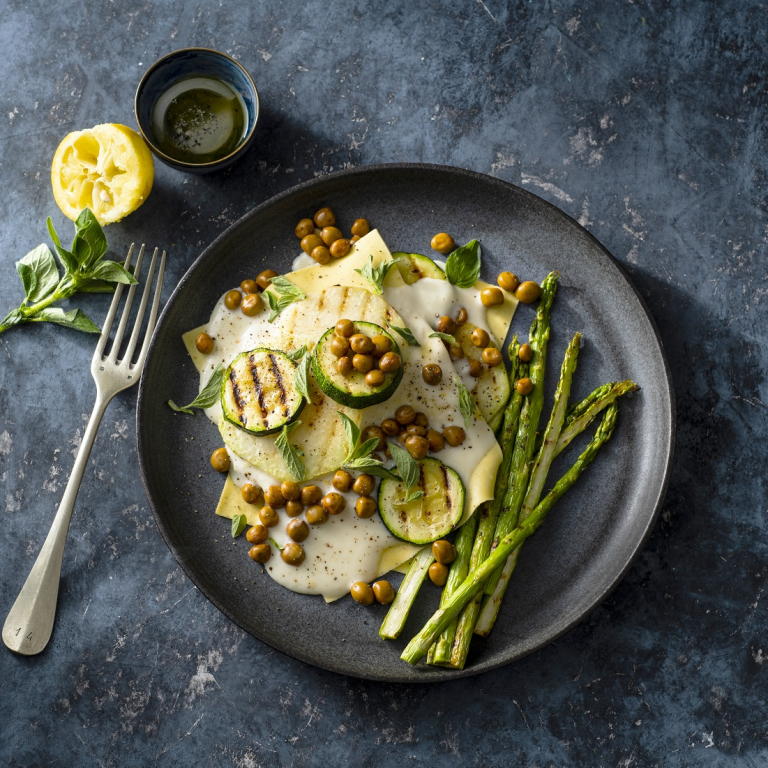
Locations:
(646, 123)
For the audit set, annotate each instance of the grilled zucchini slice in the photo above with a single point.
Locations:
(430, 517)
(352, 390)
(258, 395)
(414, 266)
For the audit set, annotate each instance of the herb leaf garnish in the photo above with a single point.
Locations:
(376, 275)
(288, 293)
(463, 266)
(406, 465)
(407, 334)
(445, 337)
(84, 271)
(239, 524)
(301, 379)
(466, 402)
(208, 395)
(289, 453)
(297, 354)
(359, 456)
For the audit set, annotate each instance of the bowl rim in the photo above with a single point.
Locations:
(183, 163)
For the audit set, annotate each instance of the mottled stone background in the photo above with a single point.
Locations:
(646, 122)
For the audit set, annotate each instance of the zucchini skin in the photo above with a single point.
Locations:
(364, 399)
(414, 266)
(292, 416)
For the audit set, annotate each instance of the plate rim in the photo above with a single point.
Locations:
(439, 674)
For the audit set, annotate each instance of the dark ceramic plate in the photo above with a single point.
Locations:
(590, 538)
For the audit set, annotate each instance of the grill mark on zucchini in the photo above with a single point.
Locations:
(257, 387)
(446, 485)
(278, 380)
(237, 397)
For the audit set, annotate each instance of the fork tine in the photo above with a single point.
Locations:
(152, 314)
(126, 310)
(142, 308)
(112, 311)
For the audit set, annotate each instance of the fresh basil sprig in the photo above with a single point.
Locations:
(239, 524)
(445, 337)
(301, 379)
(84, 272)
(209, 394)
(289, 453)
(462, 267)
(287, 294)
(408, 469)
(407, 335)
(359, 456)
(297, 354)
(466, 402)
(376, 275)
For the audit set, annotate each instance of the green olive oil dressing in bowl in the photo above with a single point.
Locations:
(199, 119)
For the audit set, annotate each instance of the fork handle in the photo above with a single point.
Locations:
(29, 624)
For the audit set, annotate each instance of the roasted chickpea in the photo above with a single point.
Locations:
(232, 299)
(421, 419)
(524, 386)
(416, 429)
(361, 227)
(339, 346)
(330, 235)
(345, 328)
(354, 239)
(362, 363)
(257, 533)
(475, 368)
(298, 530)
(454, 436)
(273, 496)
(250, 493)
(390, 362)
(462, 316)
(310, 494)
(268, 516)
(383, 592)
(321, 255)
(220, 460)
(365, 507)
(443, 243)
(417, 446)
(381, 345)
(261, 553)
(310, 242)
(303, 228)
(508, 281)
(443, 551)
(432, 373)
(362, 593)
(438, 574)
(480, 338)
(345, 366)
(325, 217)
(363, 485)
(316, 515)
(405, 415)
(378, 433)
(374, 378)
(340, 248)
(293, 508)
(455, 351)
(252, 304)
(204, 343)
(528, 292)
(334, 503)
(525, 353)
(491, 357)
(491, 297)
(293, 554)
(390, 427)
(436, 440)
(361, 343)
(447, 325)
(290, 490)
(249, 286)
(263, 278)
(342, 480)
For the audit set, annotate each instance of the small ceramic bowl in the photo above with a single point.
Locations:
(187, 63)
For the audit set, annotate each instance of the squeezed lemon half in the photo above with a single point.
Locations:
(108, 169)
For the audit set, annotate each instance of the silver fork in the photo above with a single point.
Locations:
(30, 621)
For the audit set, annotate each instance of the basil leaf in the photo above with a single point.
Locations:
(275, 544)
(209, 394)
(415, 496)
(289, 454)
(277, 305)
(239, 524)
(42, 274)
(12, 318)
(466, 402)
(371, 467)
(301, 379)
(297, 354)
(112, 272)
(376, 275)
(286, 288)
(445, 337)
(364, 450)
(28, 279)
(406, 465)
(351, 430)
(75, 319)
(406, 333)
(88, 285)
(463, 266)
(89, 244)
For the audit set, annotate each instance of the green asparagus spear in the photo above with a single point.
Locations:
(401, 606)
(419, 645)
